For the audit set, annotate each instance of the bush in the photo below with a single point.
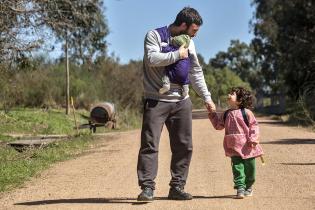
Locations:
(219, 82)
(302, 111)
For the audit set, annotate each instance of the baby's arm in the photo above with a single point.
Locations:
(216, 120)
(253, 128)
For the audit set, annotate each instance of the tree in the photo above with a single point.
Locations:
(81, 22)
(17, 23)
(81, 25)
(201, 60)
(285, 39)
(241, 59)
(22, 22)
(219, 82)
(227, 79)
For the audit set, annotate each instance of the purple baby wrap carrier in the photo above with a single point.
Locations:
(178, 71)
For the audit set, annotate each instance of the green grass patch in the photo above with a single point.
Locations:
(54, 121)
(37, 121)
(17, 167)
(5, 138)
(128, 119)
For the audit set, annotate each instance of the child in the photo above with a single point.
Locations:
(241, 138)
(178, 72)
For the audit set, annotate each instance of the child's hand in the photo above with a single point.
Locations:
(252, 144)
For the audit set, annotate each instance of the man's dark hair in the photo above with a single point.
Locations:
(243, 96)
(189, 16)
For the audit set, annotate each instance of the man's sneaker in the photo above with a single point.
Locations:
(146, 195)
(240, 193)
(248, 192)
(178, 193)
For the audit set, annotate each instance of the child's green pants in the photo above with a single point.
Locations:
(244, 171)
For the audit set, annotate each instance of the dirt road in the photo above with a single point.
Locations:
(105, 177)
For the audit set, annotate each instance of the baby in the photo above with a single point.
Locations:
(178, 72)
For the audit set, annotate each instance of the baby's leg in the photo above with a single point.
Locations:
(185, 90)
(166, 84)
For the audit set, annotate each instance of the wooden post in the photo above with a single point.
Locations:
(263, 162)
(75, 119)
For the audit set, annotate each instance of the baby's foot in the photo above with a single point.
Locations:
(185, 90)
(164, 89)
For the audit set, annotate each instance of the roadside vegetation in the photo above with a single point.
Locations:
(278, 66)
(18, 166)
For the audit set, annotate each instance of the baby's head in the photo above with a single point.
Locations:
(239, 97)
(180, 40)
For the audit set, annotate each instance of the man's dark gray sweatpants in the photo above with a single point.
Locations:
(177, 118)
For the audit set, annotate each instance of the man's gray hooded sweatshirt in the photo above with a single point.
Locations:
(154, 62)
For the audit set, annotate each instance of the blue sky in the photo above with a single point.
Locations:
(130, 20)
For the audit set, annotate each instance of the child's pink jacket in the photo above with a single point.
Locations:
(237, 134)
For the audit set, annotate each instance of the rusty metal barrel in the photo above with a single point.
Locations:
(103, 113)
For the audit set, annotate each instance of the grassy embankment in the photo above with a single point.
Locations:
(17, 167)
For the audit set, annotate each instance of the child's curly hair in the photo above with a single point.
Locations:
(243, 96)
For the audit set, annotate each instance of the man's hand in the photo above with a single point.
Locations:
(183, 52)
(210, 106)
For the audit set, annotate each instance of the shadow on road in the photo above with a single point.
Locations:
(79, 200)
(272, 122)
(291, 141)
(132, 201)
(215, 197)
(298, 164)
(199, 114)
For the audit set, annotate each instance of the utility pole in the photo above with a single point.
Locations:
(67, 76)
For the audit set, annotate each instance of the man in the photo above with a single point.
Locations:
(171, 108)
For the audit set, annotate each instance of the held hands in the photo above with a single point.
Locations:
(210, 106)
(183, 52)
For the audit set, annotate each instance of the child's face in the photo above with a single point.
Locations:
(232, 100)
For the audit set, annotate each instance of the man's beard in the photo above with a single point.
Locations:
(184, 32)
